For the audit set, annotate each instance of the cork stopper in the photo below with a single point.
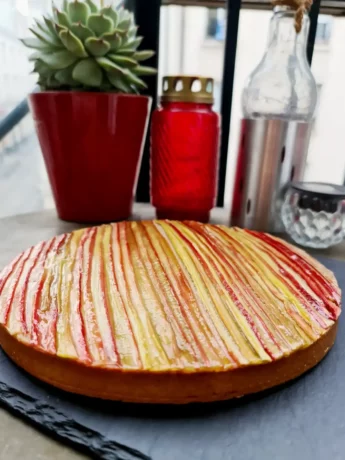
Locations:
(300, 7)
(181, 88)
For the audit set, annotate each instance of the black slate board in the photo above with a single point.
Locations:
(304, 420)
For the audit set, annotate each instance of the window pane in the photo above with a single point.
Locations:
(192, 43)
(23, 179)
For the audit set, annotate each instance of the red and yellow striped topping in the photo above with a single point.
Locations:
(166, 295)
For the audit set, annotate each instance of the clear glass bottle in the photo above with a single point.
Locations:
(282, 85)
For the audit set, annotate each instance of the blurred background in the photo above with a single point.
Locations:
(191, 42)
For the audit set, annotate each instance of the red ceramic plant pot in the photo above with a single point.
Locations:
(92, 145)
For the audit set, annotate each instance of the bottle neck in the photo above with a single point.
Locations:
(283, 41)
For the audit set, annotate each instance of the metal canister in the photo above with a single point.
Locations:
(272, 154)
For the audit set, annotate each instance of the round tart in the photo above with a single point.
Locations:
(166, 312)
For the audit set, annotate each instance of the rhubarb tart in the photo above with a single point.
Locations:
(166, 311)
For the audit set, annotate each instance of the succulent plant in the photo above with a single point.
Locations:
(84, 47)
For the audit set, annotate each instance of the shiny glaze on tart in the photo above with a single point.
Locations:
(167, 296)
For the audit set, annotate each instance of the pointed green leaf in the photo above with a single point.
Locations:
(133, 44)
(50, 25)
(92, 6)
(144, 70)
(42, 69)
(112, 14)
(97, 46)
(125, 51)
(81, 31)
(122, 61)
(59, 28)
(62, 18)
(143, 55)
(65, 6)
(65, 77)
(78, 11)
(119, 84)
(59, 59)
(34, 56)
(113, 39)
(110, 66)
(134, 79)
(132, 32)
(100, 24)
(43, 37)
(124, 24)
(35, 43)
(72, 43)
(52, 83)
(88, 73)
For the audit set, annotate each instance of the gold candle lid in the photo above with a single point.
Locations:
(182, 88)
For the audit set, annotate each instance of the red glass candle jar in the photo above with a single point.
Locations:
(184, 150)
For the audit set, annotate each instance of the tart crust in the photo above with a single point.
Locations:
(165, 387)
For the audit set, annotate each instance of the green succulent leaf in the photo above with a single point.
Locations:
(72, 43)
(135, 80)
(43, 37)
(133, 44)
(81, 31)
(132, 32)
(65, 6)
(78, 12)
(100, 24)
(92, 6)
(62, 18)
(110, 66)
(35, 43)
(125, 51)
(144, 70)
(59, 59)
(45, 31)
(123, 61)
(114, 40)
(143, 55)
(112, 14)
(59, 28)
(88, 73)
(124, 24)
(97, 46)
(36, 55)
(50, 26)
(119, 83)
(42, 69)
(65, 77)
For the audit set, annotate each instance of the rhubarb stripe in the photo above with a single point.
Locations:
(93, 337)
(202, 320)
(76, 317)
(165, 288)
(101, 300)
(246, 322)
(260, 276)
(180, 291)
(318, 282)
(31, 302)
(296, 286)
(172, 335)
(230, 273)
(138, 295)
(6, 308)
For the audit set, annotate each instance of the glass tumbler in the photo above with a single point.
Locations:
(313, 214)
